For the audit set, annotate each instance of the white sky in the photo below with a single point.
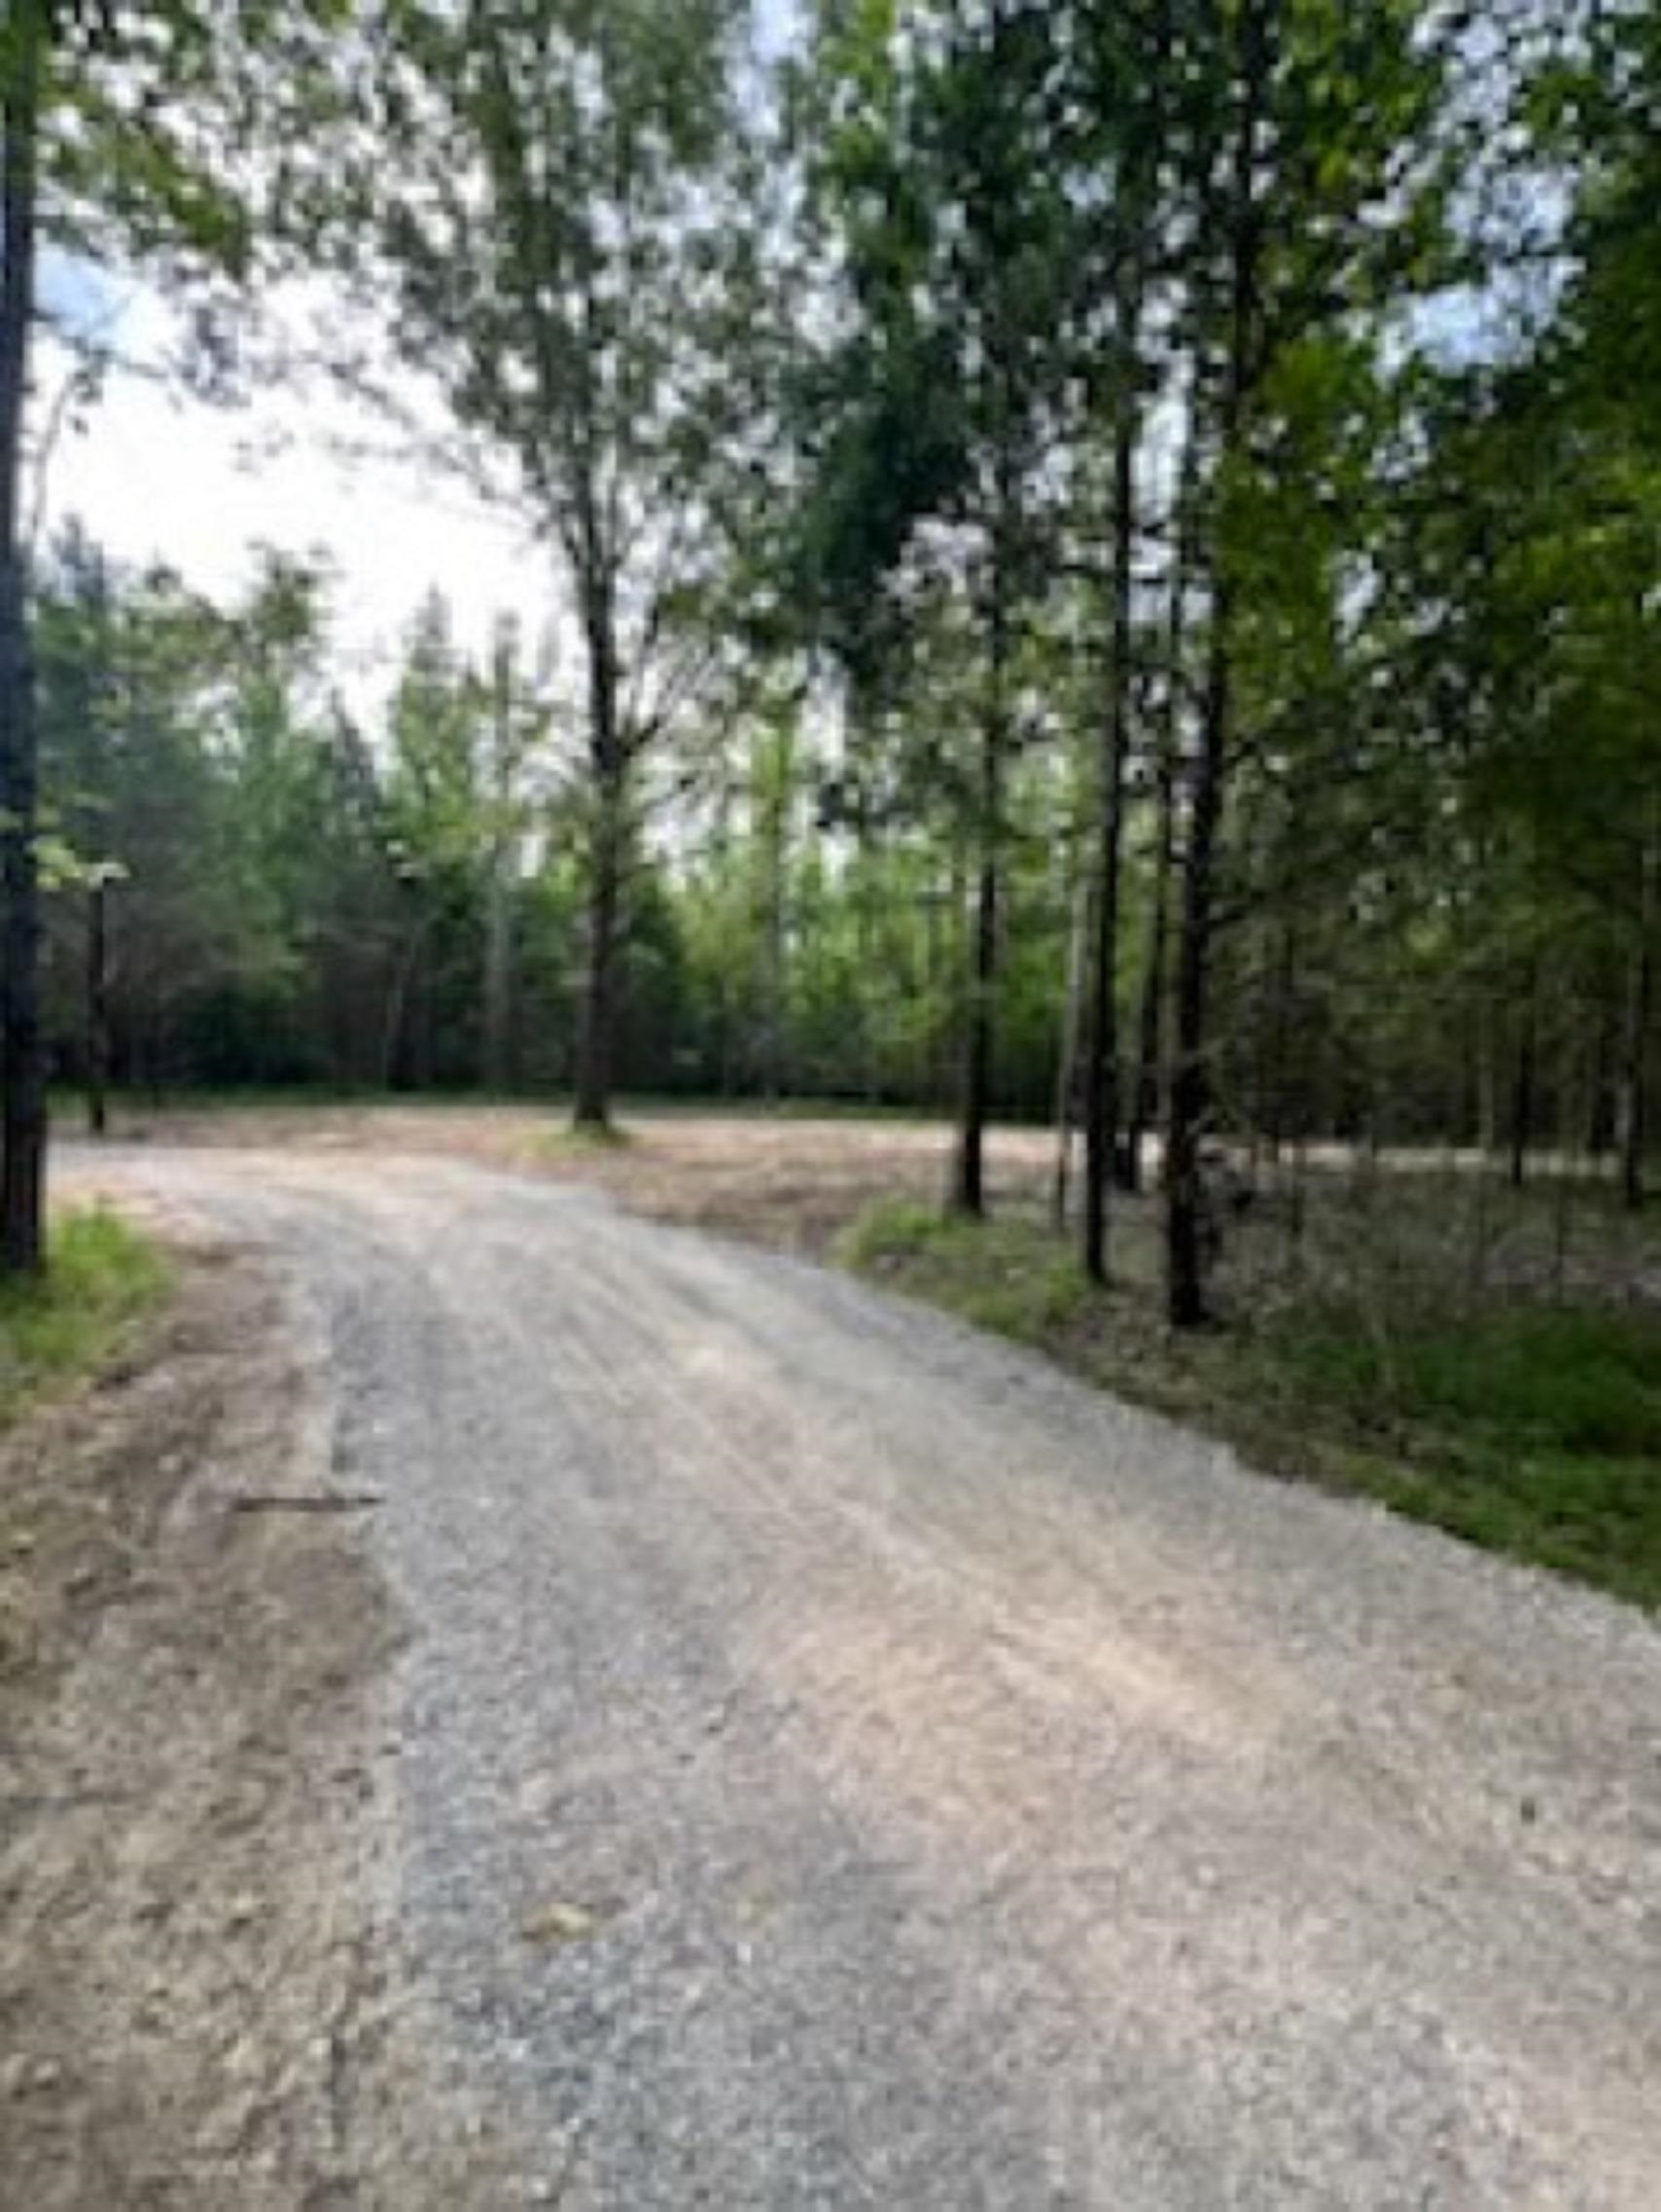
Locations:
(154, 475)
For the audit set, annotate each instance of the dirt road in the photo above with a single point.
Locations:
(838, 1762)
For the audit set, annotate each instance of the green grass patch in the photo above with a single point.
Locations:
(102, 1279)
(1000, 1276)
(1528, 1430)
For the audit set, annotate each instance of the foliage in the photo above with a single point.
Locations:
(1529, 1429)
(66, 1324)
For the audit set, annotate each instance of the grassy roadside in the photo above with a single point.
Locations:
(1529, 1429)
(104, 1278)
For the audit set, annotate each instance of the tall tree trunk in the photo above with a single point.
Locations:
(1147, 1098)
(1487, 1080)
(502, 863)
(1190, 1087)
(1148, 1103)
(1101, 1070)
(23, 1072)
(1523, 1080)
(1067, 1064)
(1635, 1041)
(395, 1013)
(607, 769)
(593, 1104)
(968, 1183)
(498, 974)
(969, 1180)
(780, 794)
(98, 1005)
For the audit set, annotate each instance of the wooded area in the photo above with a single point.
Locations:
(1103, 565)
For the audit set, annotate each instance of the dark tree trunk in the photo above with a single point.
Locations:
(1634, 1041)
(596, 1038)
(498, 977)
(1147, 1102)
(773, 985)
(98, 1006)
(1102, 1070)
(1523, 1082)
(395, 1013)
(1185, 1225)
(1274, 1120)
(1190, 1087)
(1067, 1062)
(1147, 1106)
(22, 1073)
(968, 1183)
(593, 1104)
(968, 1177)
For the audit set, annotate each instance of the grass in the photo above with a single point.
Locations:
(1529, 1429)
(102, 1279)
(578, 1138)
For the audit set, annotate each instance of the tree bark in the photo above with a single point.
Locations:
(607, 765)
(498, 975)
(968, 1184)
(499, 889)
(1067, 1065)
(98, 1005)
(1101, 1070)
(1522, 1081)
(22, 1073)
(1148, 1103)
(969, 1180)
(1190, 1088)
(1634, 1041)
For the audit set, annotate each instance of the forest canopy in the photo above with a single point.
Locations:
(1101, 561)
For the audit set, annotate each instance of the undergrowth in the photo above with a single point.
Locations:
(1529, 1429)
(102, 1278)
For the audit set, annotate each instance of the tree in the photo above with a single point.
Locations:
(572, 261)
(104, 114)
(1313, 197)
(953, 233)
(22, 1074)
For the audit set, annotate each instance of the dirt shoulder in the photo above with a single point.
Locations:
(202, 1999)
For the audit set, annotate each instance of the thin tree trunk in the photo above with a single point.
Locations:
(968, 1186)
(1487, 1081)
(595, 1046)
(1634, 1041)
(1101, 1070)
(498, 974)
(781, 787)
(969, 1181)
(1149, 1105)
(98, 1005)
(1147, 1102)
(1067, 1070)
(398, 1001)
(1190, 1078)
(23, 1072)
(593, 1104)
(1190, 1087)
(1522, 1081)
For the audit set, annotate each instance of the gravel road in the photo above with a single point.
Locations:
(840, 1762)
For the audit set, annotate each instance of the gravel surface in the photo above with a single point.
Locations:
(843, 1763)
